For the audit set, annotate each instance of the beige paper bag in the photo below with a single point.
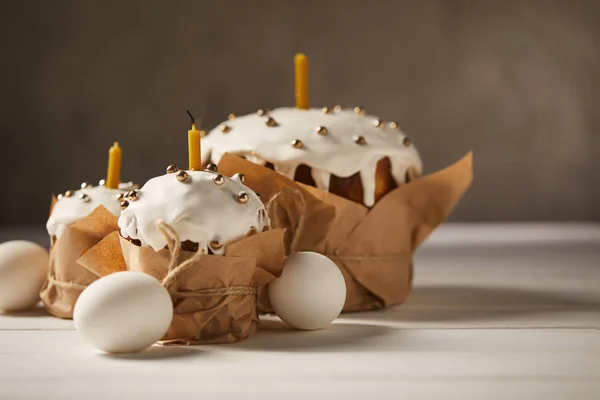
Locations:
(214, 296)
(373, 247)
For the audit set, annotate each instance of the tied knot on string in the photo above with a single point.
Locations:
(175, 270)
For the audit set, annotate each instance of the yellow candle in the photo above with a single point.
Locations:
(194, 146)
(301, 69)
(113, 175)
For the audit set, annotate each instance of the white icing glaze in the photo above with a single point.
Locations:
(198, 209)
(367, 176)
(69, 210)
(334, 153)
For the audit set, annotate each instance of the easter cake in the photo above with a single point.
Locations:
(206, 237)
(346, 186)
(78, 220)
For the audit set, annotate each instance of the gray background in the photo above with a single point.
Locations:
(518, 82)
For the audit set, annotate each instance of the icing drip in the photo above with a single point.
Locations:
(255, 159)
(198, 209)
(321, 179)
(368, 177)
(398, 170)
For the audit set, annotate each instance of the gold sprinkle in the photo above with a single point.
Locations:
(326, 110)
(337, 108)
(242, 197)
(84, 197)
(240, 177)
(59, 197)
(69, 193)
(262, 112)
(360, 110)
(171, 169)
(124, 204)
(133, 195)
(120, 196)
(360, 140)
(212, 167)
(102, 182)
(218, 179)
(321, 130)
(86, 185)
(181, 176)
(257, 194)
(297, 144)
(224, 128)
(379, 123)
(406, 142)
(270, 122)
(394, 125)
(216, 244)
(203, 133)
(231, 116)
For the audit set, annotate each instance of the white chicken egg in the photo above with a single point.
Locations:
(310, 293)
(123, 312)
(23, 269)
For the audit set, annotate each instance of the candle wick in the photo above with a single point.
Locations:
(191, 117)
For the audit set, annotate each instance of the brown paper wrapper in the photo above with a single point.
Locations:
(66, 277)
(214, 297)
(373, 247)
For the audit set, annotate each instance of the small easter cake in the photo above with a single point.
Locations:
(206, 237)
(79, 219)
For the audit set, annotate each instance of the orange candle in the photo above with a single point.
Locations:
(194, 146)
(301, 71)
(113, 174)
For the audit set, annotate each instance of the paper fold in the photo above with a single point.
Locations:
(66, 277)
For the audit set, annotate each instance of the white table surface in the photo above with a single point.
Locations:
(497, 312)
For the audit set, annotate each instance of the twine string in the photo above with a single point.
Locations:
(65, 284)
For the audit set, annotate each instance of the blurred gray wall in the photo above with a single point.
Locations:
(518, 82)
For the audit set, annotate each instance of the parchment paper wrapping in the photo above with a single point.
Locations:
(214, 296)
(373, 248)
(66, 278)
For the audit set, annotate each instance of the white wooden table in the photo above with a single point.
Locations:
(497, 312)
